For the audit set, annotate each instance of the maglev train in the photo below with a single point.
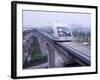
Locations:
(62, 32)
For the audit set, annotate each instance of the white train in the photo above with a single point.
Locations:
(62, 32)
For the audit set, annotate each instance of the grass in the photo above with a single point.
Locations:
(35, 56)
(35, 51)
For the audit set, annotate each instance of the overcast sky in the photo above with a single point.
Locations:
(40, 18)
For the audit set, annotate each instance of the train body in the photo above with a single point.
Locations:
(62, 32)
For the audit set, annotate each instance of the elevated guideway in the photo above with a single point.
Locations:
(81, 53)
(68, 50)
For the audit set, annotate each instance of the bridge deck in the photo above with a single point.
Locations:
(79, 51)
(77, 47)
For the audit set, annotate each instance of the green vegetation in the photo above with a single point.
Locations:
(35, 51)
(82, 36)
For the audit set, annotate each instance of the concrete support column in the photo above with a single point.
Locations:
(51, 57)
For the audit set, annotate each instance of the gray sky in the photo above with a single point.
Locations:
(40, 18)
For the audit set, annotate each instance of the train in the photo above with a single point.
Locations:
(59, 32)
(62, 32)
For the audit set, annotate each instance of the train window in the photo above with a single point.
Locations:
(63, 31)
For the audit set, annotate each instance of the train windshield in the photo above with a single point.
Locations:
(63, 31)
